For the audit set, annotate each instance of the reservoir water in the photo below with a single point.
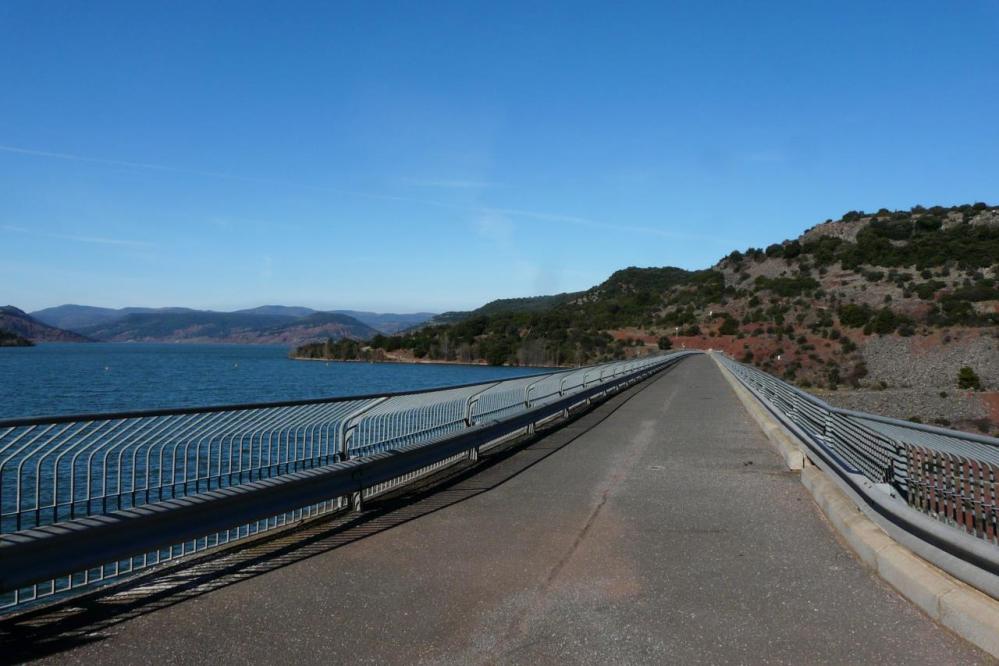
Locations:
(67, 378)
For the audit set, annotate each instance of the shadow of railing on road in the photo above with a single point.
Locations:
(87, 619)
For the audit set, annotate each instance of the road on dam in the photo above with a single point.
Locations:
(658, 528)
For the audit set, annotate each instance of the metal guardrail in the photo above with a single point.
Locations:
(86, 499)
(947, 475)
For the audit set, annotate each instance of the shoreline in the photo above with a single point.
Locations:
(397, 361)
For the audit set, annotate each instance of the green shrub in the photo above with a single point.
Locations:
(968, 379)
(785, 286)
(854, 316)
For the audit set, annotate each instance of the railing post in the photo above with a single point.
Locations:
(470, 402)
(527, 395)
(827, 426)
(473, 400)
(527, 402)
(469, 407)
(349, 425)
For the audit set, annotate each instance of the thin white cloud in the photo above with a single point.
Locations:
(208, 174)
(452, 184)
(121, 242)
(478, 210)
(97, 160)
(495, 228)
(596, 224)
(102, 241)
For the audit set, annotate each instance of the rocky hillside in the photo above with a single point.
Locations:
(851, 303)
(19, 324)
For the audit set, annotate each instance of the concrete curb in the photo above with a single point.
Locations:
(785, 443)
(964, 610)
(971, 614)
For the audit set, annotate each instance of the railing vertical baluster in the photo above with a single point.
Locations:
(72, 467)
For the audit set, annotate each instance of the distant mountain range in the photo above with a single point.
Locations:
(78, 317)
(18, 325)
(277, 324)
(227, 327)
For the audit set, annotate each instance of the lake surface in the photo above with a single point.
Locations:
(64, 378)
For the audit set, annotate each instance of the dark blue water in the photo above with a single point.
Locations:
(68, 378)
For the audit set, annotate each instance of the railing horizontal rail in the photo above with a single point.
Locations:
(940, 486)
(171, 411)
(82, 501)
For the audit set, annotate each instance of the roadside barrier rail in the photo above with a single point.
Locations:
(87, 499)
(950, 476)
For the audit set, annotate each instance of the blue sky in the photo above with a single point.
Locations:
(414, 156)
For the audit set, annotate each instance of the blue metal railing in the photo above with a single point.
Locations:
(59, 471)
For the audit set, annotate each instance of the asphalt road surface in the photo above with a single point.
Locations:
(659, 528)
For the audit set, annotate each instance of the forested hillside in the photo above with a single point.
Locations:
(848, 303)
(900, 273)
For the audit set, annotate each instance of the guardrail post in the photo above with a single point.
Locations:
(473, 400)
(527, 402)
(527, 395)
(604, 392)
(349, 425)
(473, 453)
(469, 406)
